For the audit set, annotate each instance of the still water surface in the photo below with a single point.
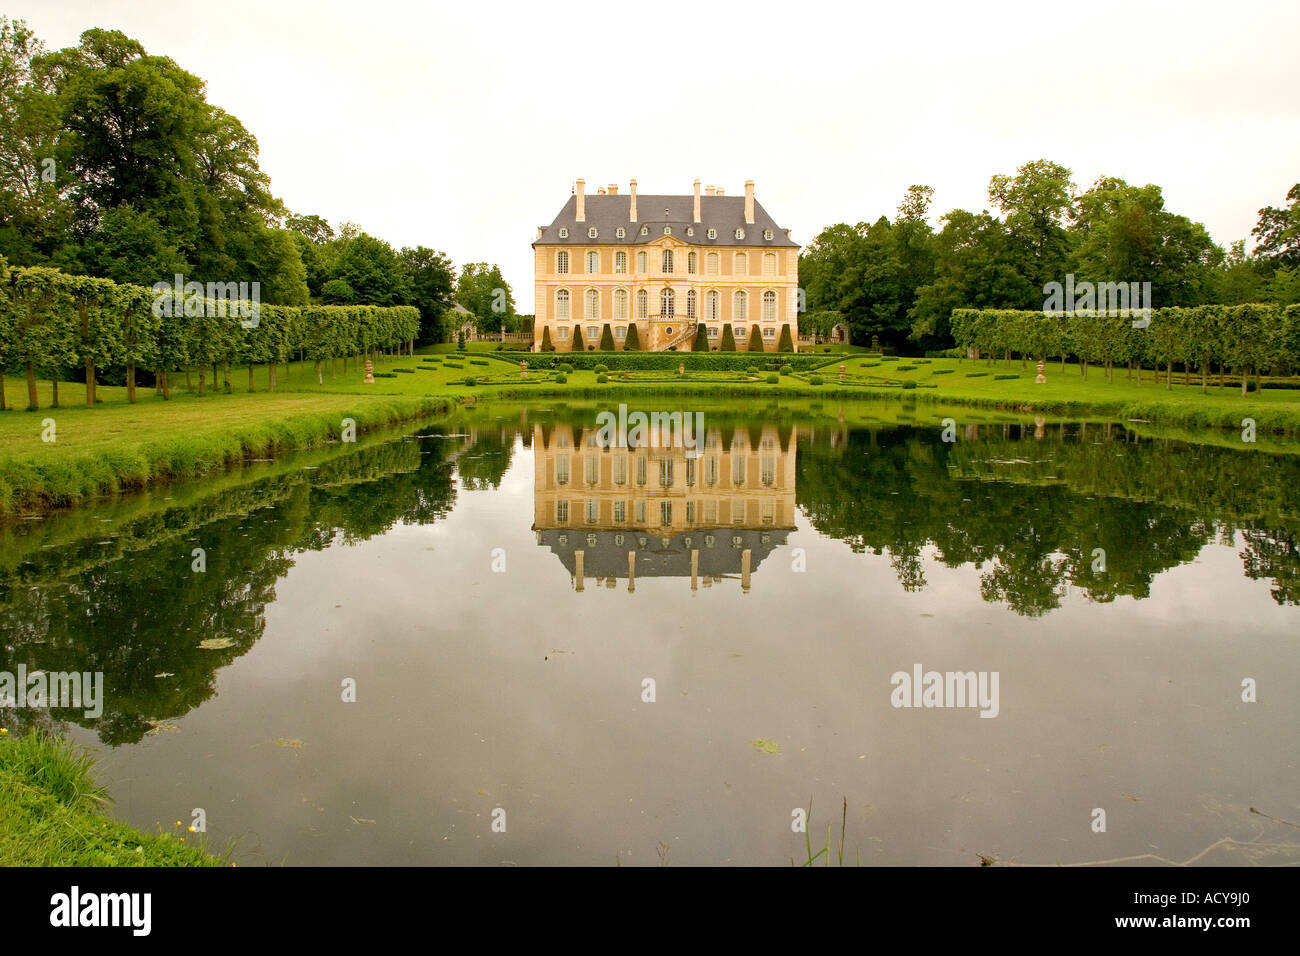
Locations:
(501, 589)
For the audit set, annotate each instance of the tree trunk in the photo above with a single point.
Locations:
(203, 378)
(1204, 376)
(1169, 375)
(4, 407)
(1083, 367)
(1244, 373)
(90, 381)
(166, 386)
(54, 385)
(130, 382)
(189, 386)
(270, 376)
(225, 376)
(1187, 373)
(334, 367)
(319, 380)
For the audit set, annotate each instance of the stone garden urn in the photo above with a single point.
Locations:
(523, 369)
(842, 367)
(370, 372)
(1042, 377)
(681, 369)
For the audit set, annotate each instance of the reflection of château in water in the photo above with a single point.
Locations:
(660, 510)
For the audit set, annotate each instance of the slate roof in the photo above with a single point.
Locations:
(607, 213)
(655, 558)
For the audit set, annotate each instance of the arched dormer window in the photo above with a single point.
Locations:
(620, 232)
(740, 233)
(767, 234)
(564, 232)
(645, 230)
(713, 233)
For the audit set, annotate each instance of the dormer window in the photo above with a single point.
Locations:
(592, 233)
(740, 233)
(668, 230)
(645, 230)
(767, 234)
(690, 230)
(713, 233)
(620, 232)
(564, 232)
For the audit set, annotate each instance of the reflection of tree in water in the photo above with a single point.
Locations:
(142, 614)
(481, 468)
(1035, 515)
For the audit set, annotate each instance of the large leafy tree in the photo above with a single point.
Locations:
(432, 285)
(1278, 232)
(483, 290)
(1036, 203)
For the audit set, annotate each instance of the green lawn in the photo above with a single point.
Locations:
(52, 814)
(117, 445)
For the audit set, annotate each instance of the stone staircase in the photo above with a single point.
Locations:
(685, 335)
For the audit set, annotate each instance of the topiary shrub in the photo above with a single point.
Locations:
(909, 385)
(546, 340)
(728, 339)
(601, 369)
(701, 343)
(633, 342)
(565, 368)
(478, 361)
(752, 370)
(755, 339)
(786, 342)
(773, 378)
(602, 378)
(562, 378)
(815, 379)
(787, 370)
(607, 339)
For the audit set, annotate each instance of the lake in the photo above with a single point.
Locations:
(506, 638)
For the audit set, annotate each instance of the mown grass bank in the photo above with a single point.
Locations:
(117, 446)
(52, 813)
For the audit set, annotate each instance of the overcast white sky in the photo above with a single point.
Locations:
(461, 127)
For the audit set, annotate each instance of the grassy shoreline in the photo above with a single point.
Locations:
(117, 446)
(52, 814)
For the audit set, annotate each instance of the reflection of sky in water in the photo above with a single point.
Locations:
(480, 690)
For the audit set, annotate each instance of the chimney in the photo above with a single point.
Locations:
(697, 200)
(580, 189)
(632, 186)
(600, 190)
(720, 192)
(749, 201)
(611, 189)
(710, 190)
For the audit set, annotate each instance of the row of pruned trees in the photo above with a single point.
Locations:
(54, 323)
(1246, 339)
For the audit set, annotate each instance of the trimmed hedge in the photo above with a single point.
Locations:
(664, 361)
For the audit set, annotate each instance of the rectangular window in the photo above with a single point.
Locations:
(769, 333)
(620, 470)
(561, 469)
(711, 469)
(592, 511)
(620, 262)
(711, 517)
(690, 472)
(592, 333)
(620, 511)
(590, 469)
(738, 469)
(562, 333)
(666, 472)
(769, 469)
(561, 512)
(642, 262)
(640, 511)
(620, 332)
(665, 513)
(640, 470)
(713, 331)
(690, 512)
(741, 332)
